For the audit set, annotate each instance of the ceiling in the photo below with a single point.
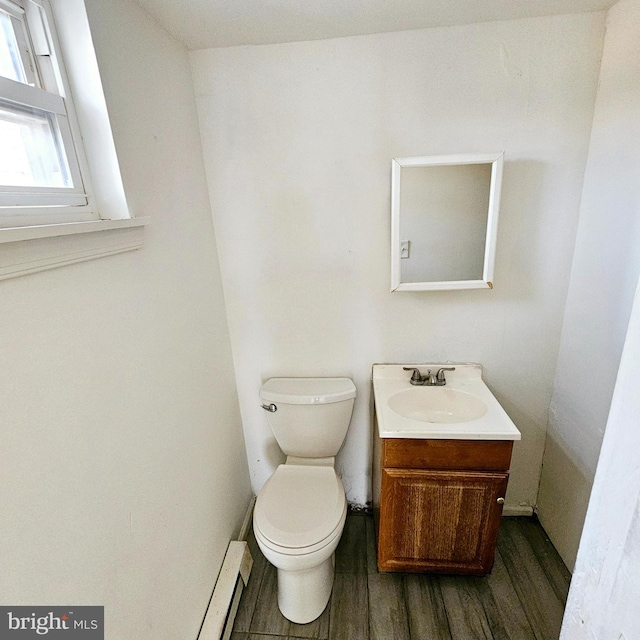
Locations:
(201, 24)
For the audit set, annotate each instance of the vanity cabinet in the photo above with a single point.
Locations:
(438, 503)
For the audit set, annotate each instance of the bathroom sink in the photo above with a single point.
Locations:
(437, 404)
(463, 408)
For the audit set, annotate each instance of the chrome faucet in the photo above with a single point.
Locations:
(430, 380)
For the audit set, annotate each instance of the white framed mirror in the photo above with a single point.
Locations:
(444, 221)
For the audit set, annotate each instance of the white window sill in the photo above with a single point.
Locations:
(26, 250)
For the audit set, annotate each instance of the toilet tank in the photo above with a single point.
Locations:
(311, 415)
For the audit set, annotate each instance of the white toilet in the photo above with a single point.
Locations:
(301, 510)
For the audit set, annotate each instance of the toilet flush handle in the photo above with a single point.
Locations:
(269, 407)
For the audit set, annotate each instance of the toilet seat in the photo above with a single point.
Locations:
(300, 509)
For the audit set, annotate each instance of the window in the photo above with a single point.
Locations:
(41, 166)
(60, 184)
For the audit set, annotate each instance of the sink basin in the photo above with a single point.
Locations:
(437, 404)
(463, 409)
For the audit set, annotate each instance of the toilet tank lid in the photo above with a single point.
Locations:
(307, 390)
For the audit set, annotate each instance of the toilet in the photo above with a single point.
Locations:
(301, 509)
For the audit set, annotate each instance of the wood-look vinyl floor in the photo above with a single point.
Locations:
(522, 599)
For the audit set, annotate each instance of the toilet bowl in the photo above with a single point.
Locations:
(301, 510)
(298, 521)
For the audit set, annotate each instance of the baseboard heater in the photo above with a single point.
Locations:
(234, 575)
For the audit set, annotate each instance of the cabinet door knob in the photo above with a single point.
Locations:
(500, 500)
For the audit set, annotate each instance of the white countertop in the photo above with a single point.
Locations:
(389, 379)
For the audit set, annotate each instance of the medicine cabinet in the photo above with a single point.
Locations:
(444, 221)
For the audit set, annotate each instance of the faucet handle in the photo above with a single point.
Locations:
(416, 377)
(440, 379)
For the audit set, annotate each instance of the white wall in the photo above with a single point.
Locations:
(603, 599)
(603, 279)
(298, 140)
(123, 473)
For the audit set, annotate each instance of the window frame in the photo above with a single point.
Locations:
(39, 241)
(29, 206)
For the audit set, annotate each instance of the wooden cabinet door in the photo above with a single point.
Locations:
(439, 521)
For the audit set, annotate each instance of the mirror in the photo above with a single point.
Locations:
(444, 221)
